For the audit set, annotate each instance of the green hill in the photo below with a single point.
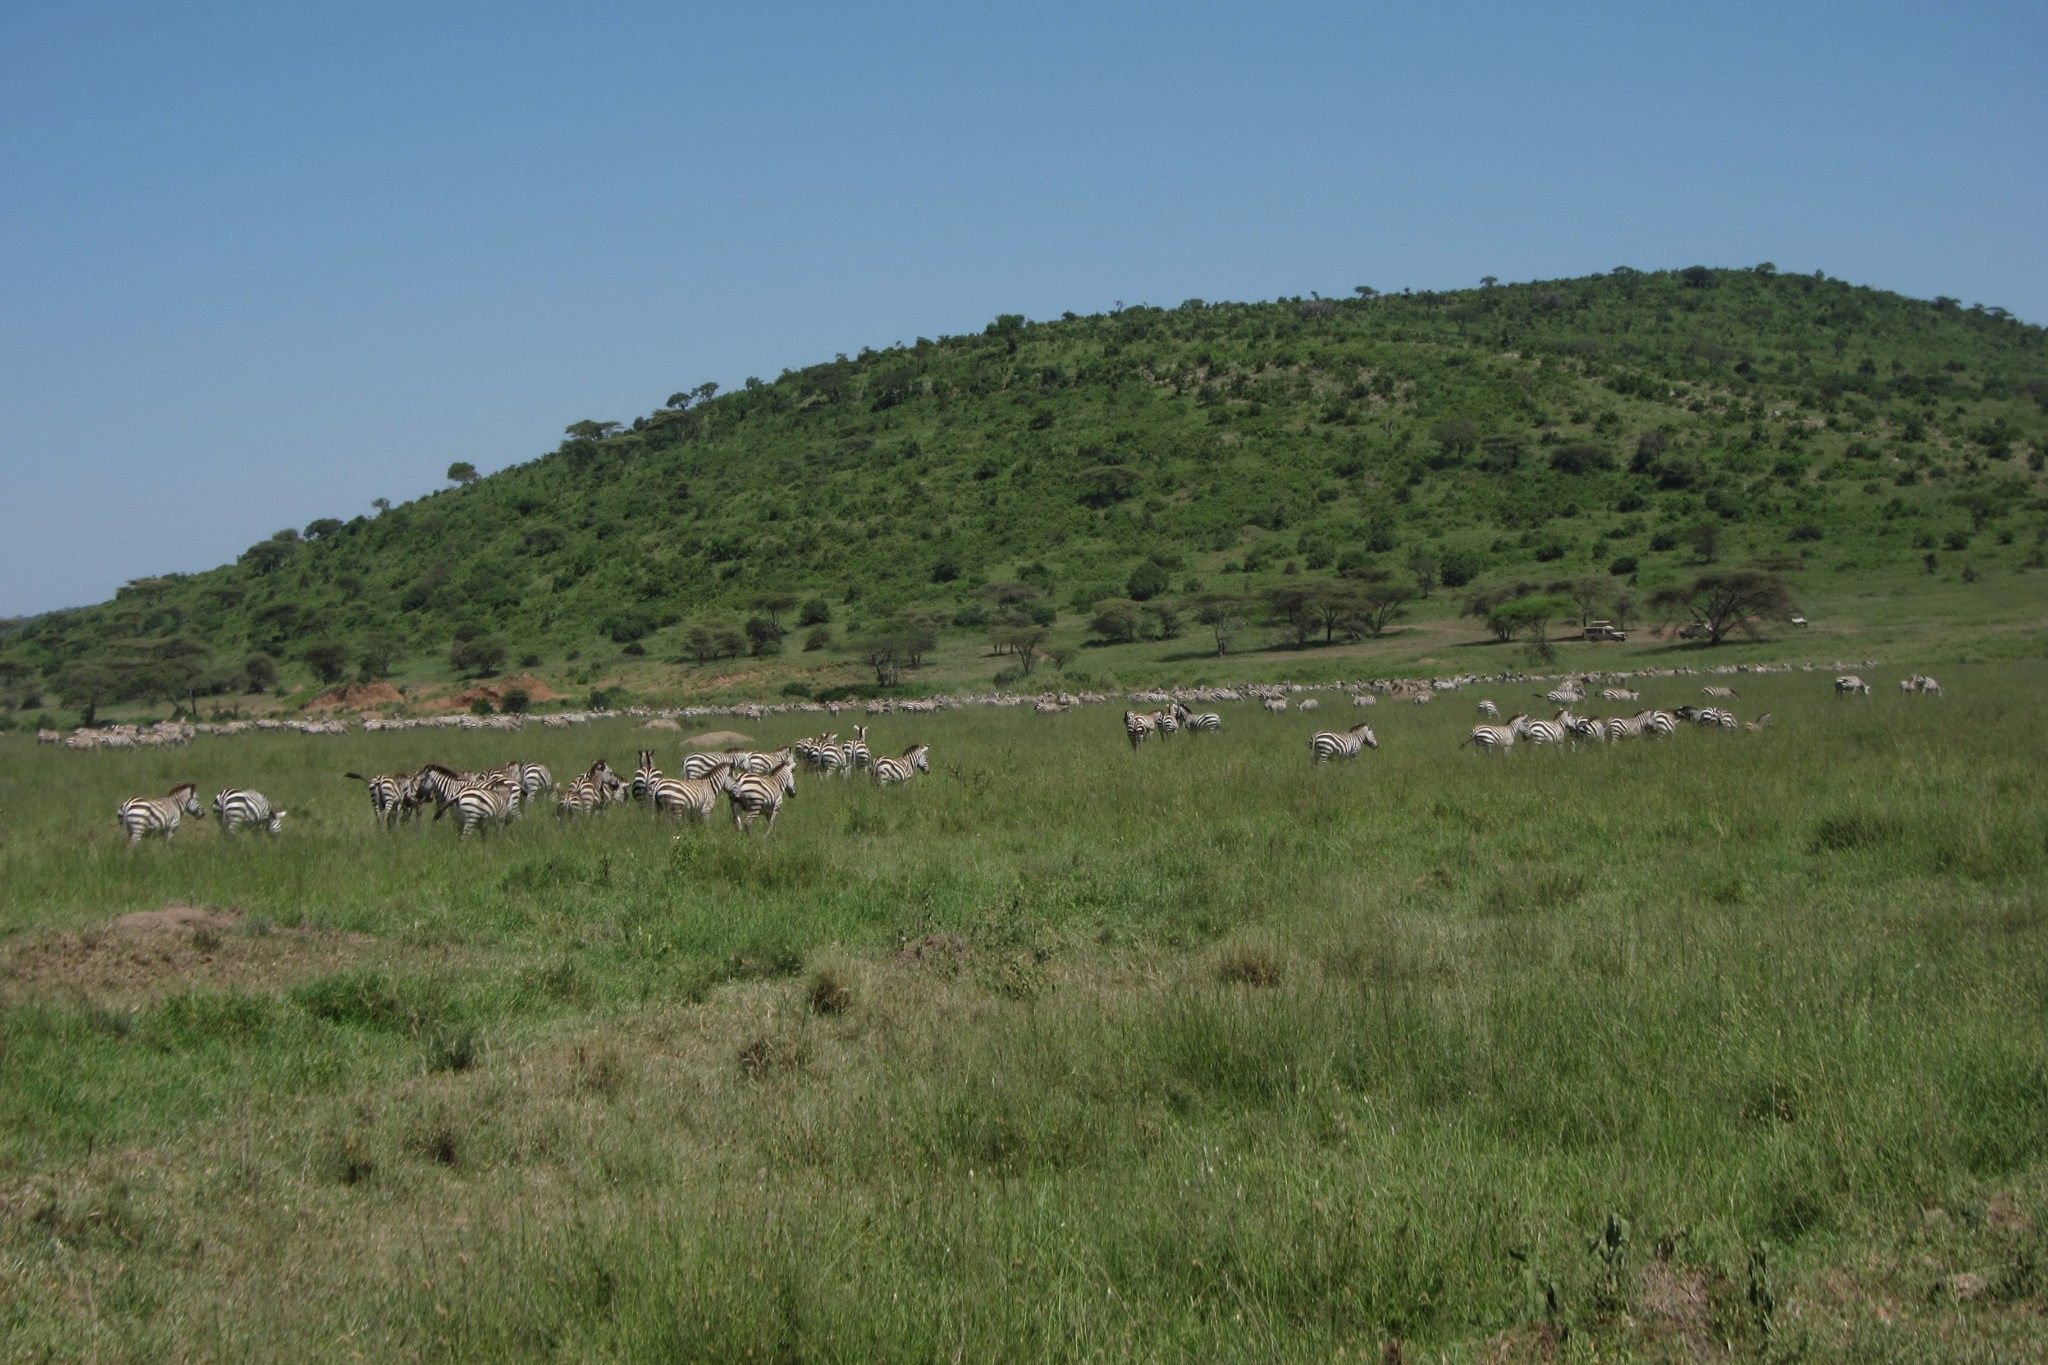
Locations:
(1629, 427)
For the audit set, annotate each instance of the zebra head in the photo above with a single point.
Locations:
(187, 797)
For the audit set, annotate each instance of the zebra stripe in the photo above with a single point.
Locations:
(159, 814)
(1137, 727)
(754, 794)
(1848, 683)
(1325, 745)
(236, 806)
(1197, 722)
(645, 776)
(916, 759)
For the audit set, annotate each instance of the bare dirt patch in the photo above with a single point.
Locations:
(493, 692)
(660, 723)
(151, 953)
(719, 739)
(376, 696)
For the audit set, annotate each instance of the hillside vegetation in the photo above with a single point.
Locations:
(1626, 431)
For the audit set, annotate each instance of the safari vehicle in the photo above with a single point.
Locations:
(1604, 630)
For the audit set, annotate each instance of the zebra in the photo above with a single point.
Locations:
(1547, 731)
(48, 737)
(1196, 722)
(596, 789)
(1496, 738)
(753, 794)
(1918, 683)
(235, 807)
(142, 815)
(1165, 724)
(1364, 699)
(916, 759)
(1848, 683)
(1275, 704)
(1424, 698)
(1307, 704)
(676, 795)
(645, 776)
(1325, 745)
(438, 784)
(1720, 693)
(1489, 710)
(492, 800)
(1582, 727)
(1565, 696)
(391, 796)
(1137, 727)
(1659, 722)
(1710, 717)
(1762, 722)
(763, 763)
(1619, 694)
(1630, 727)
(701, 764)
(855, 752)
(531, 778)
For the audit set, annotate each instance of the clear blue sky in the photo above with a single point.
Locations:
(263, 263)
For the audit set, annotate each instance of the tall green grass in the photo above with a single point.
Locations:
(1065, 1051)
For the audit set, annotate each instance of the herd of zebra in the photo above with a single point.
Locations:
(754, 784)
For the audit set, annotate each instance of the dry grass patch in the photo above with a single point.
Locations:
(151, 953)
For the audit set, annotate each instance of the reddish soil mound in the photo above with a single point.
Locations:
(180, 947)
(494, 692)
(375, 696)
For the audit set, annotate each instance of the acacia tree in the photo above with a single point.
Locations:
(1221, 613)
(1374, 606)
(1721, 602)
(463, 472)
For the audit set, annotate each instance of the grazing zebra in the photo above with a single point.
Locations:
(753, 794)
(760, 763)
(820, 754)
(1659, 723)
(1325, 745)
(1919, 682)
(390, 795)
(492, 801)
(916, 759)
(142, 815)
(678, 795)
(1720, 693)
(1364, 699)
(1275, 704)
(1196, 722)
(237, 807)
(1546, 731)
(1619, 694)
(1424, 698)
(1565, 696)
(1307, 704)
(1165, 724)
(1049, 708)
(1848, 683)
(1708, 717)
(1762, 722)
(1489, 710)
(1496, 738)
(48, 737)
(1137, 727)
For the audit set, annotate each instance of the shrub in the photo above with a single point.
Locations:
(1623, 567)
(819, 638)
(515, 702)
(814, 612)
(481, 706)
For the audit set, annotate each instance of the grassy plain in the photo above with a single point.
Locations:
(1063, 1052)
